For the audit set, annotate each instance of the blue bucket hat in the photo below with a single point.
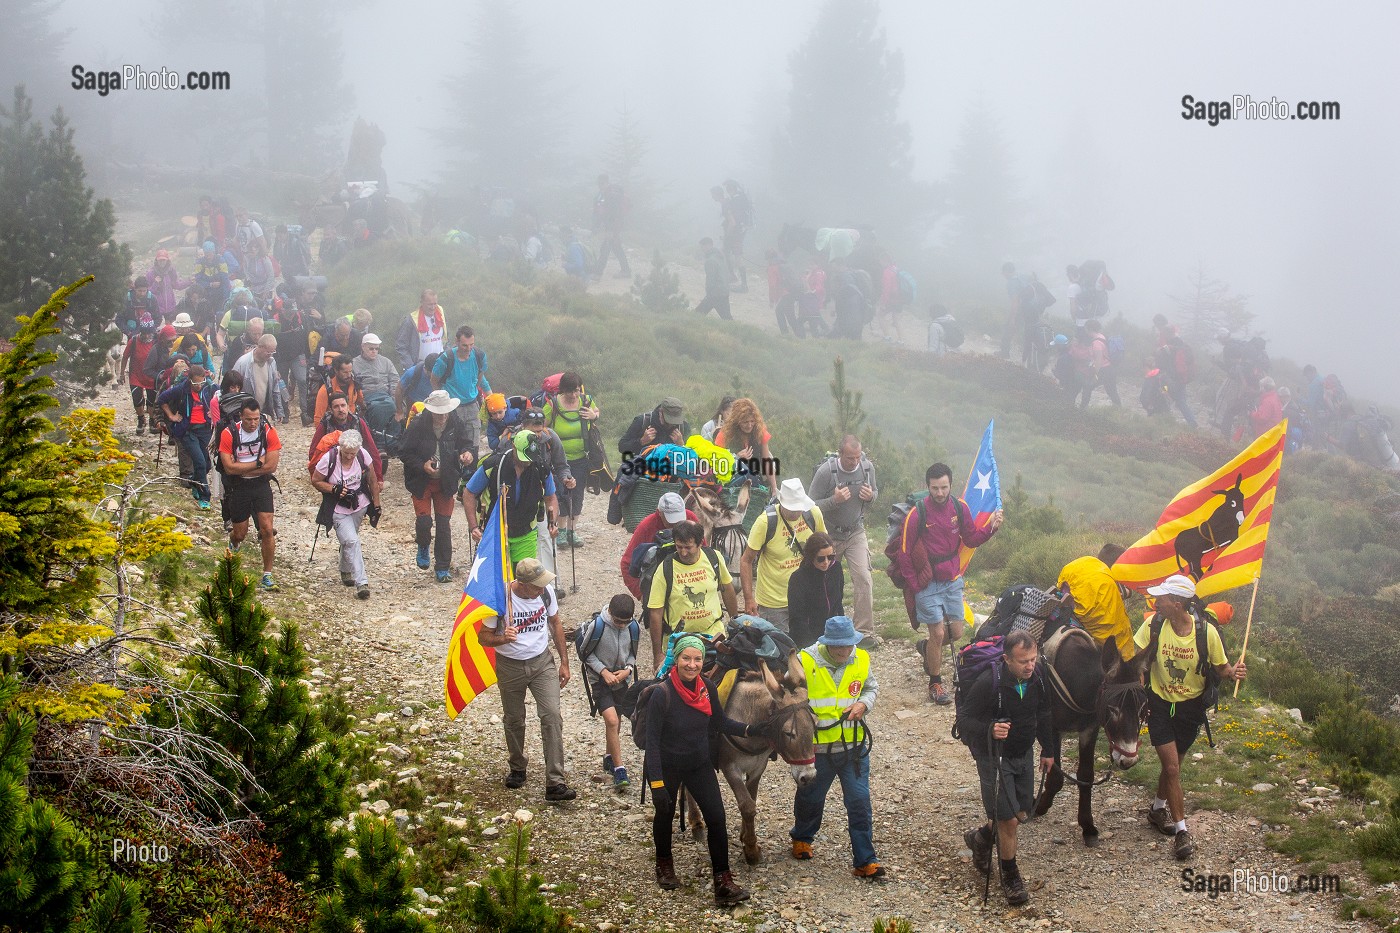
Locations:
(840, 633)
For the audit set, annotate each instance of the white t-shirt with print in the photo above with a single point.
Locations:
(531, 620)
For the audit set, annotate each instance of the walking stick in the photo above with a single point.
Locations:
(160, 445)
(996, 829)
(573, 572)
(1247, 624)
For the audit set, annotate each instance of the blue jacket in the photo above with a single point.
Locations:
(180, 398)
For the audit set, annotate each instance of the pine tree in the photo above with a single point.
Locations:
(849, 413)
(510, 900)
(504, 127)
(269, 725)
(982, 199)
(30, 47)
(844, 158)
(372, 889)
(57, 234)
(1208, 306)
(660, 291)
(45, 865)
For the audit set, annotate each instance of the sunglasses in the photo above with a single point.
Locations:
(824, 558)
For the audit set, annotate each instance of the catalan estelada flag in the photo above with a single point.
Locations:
(1213, 530)
(982, 492)
(470, 667)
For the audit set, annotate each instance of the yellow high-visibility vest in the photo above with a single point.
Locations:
(829, 700)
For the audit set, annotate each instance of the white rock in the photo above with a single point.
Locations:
(380, 718)
(380, 806)
(1262, 788)
(406, 712)
(1296, 714)
(420, 894)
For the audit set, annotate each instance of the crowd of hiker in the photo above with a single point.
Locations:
(689, 583)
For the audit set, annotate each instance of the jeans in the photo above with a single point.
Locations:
(347, 532)
(1177, 390)
(539, 675)
(195, 443)
(807, 807)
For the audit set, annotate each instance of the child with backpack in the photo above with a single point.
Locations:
(1186, 661)
(1002, 708)
(607, 653)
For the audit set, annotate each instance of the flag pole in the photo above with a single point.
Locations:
(1248, 622)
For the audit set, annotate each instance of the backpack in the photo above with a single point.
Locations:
(263, 425)
(973, 661)
(588, 636)
(230, 412)
(1184, 360)
(898, 513)
(1211, 695)
(328, 441)
(451, 356)
(639, 710)
(1012, 606)
(908, 288)
(953, 335)
(665, 568)
(742, 208)
(772, 515)
(1117, 349)
(548, 389)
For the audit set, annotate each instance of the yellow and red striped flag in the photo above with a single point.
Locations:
(1215, 529)
(471, 668)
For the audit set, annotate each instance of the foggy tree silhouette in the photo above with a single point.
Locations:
(504, 125)
(30, 48)
(982, 199)
(844, 156)
(65, 235)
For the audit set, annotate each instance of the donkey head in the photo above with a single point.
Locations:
(793, 728)
(1122, 704)
(1234, 500)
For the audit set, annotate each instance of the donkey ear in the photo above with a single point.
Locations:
(1239, 479)
(1109, 658)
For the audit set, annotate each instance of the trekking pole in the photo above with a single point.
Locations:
(996, 829)
(573, 572)
(314, 538)
(160, 445)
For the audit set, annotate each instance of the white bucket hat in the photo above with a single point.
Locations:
(440, 403)
(793, 497)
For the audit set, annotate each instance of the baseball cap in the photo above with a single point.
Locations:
(531, 571)
(1174, 585)
(671, 507)
(522, 441)
(672, 411)
(370, 339)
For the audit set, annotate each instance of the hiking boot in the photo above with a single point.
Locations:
(802, 851)
(620, 781)
(1183, 845)
(558, 793)
(608, 764)
(423, 560)
(362, 591)
(347, 579)
(871, 642)
(666, 874)
(574, 540)
(203, 504)
(444, 576)
(981, 847)
(267, 582)
(727, 890)
(141, 425)
(1162, 819)
(515, 780)
(870, 872)
(937, 694)
(1015, 890)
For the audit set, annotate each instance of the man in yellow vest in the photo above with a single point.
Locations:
(841, 688)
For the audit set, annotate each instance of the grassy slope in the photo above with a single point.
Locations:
(1110, 471)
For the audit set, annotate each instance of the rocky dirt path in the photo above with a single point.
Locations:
(387, 654)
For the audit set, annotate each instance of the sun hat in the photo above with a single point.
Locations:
(793, 497)
(440, 403)
(1174, 585)
(840, 633)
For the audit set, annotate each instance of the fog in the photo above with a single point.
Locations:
(1297, 215)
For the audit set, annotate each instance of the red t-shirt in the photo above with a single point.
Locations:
(246, 450)
(197, 413)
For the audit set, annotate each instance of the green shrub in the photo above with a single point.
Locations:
(1348, 729)
(371, 889)
(510, 901)
(1286, 676)
(660, 291)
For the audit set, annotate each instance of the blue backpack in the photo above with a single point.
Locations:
(589, 634)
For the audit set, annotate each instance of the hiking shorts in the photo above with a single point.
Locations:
(244, 498)
(605, 697)
(1017, 784)
(1181, 725)
(941, 601)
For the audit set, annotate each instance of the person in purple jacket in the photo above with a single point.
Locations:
(927, 561)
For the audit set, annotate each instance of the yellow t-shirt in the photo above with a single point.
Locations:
(781, 557)
(1174, 675)
(695, 603)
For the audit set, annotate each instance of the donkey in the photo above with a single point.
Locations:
(1215, 533)
(1092, 689)
(724, 527)
(788, 728)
